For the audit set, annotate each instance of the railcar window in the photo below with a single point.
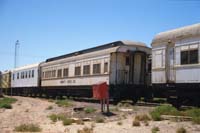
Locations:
(189, 57)
(29, 74)
(54, 73)
(127, 60)
(86, 70)
(193, 56)
(184, 57)
(17, 75)
(77, 71)
(59, 74)
(65, 72)
(96, 68)
(13, 76)
(26, 74)
(32, 73)
(105, 67)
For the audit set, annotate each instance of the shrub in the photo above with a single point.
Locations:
(181, 130)
(119, 123)
(163, 110)
(136, 123)
(89, 110)
(143, 117)
(56, 117)
(64, 103)
(146, 123)
(195, 114)
(49, 108)
(99, 120)
(85, 130)
(155, 129)
(6, 102)
(67, 121)
(28, 128)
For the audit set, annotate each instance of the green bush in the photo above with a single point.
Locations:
(195, 114)
(89, 110)
(57, 117)
(64, 103)
(28, 128)
(6, 102)
(164, 110)
(181, 130)
(67, 121)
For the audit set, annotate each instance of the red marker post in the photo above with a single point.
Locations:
(100, 92)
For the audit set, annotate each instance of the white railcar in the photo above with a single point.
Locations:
(176, 61)
(117, 63)
(26, 76)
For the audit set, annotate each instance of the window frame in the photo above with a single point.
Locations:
(96, 68)
(77, 71)
(86, 70)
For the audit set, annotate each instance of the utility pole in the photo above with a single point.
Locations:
(16, 53)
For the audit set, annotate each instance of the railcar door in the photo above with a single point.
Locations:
(170, 72)
(138, 66)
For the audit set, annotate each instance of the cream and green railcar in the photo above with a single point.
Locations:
(176, 64)
(122, 64)
(5, 82)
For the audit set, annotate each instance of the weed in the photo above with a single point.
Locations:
(195, 114)
(181, 130)
(155, 129)
(67, 121)
(136, 123)
(56, 117)
(64, 103)
(49, 108)
(99, 120)
(119, 123)
(79, 122)
(142, 117)
(163, 110)
(28, 128)
(146, 123)
(85, 130)
(89, 110)
(6, 102)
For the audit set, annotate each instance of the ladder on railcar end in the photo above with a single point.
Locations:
(172, 95)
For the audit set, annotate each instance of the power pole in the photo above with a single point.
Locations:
(16, 53)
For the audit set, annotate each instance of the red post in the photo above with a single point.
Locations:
(100, 92)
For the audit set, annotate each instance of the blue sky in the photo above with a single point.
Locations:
(48, 28)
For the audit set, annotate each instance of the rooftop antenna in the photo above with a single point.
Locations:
(16, 53)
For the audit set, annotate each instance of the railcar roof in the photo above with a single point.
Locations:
(101, 47)
(26, 67)
(180, 33)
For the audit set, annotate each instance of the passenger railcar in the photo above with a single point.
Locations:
(5, 82)
(176, 65)
(25, 80)
(122, 64)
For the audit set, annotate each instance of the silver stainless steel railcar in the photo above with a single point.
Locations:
(176, 65)
(122, 64)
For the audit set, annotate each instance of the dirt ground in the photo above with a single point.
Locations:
(34, 111)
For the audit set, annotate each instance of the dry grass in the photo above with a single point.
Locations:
(155, 129)
(119, 123)
(28, 128)
(142, 117)
(181, 130)
(85, 130)
(136, 123)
